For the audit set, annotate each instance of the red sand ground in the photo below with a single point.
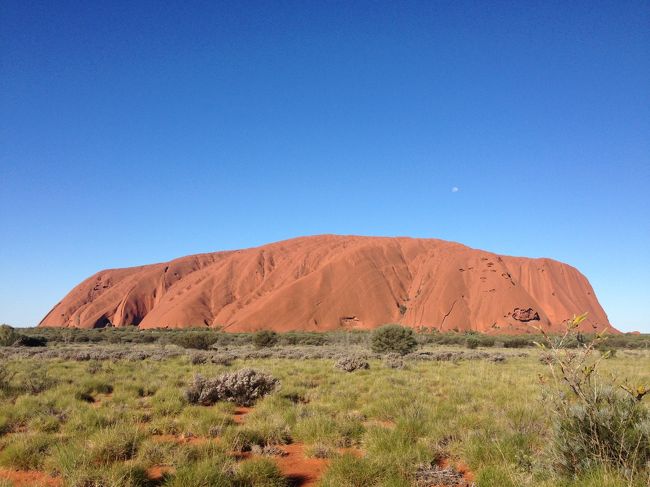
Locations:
(31, 478)
(298, 469)
(333, 282)
(240, 414)
(158, 472)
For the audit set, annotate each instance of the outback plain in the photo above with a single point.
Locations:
(129, 407)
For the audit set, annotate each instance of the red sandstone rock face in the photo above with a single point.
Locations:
(331, 282)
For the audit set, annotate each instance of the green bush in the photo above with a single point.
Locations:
(265, 338)
(393, 339)
(196, 340)
(472, 342)
(7, 336)
(595, 423)
(29, 341)
(610, 429)
(517, 342)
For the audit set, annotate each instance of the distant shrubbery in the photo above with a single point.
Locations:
(393, 339)
(9, 337)
(205, 338)
(265, 338)
(196, 340)
(303, 338)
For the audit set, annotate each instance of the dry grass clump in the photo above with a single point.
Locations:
(268, 451)
(350, 364)
(440, 476)
(243, 387)
(321, 450)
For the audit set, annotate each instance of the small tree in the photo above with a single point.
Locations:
(595, 423)
(265, 338)
(393, 339)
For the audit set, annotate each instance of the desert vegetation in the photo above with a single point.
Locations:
(203, 408)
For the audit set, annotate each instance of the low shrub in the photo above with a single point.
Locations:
(195, 340)
(302, 338)
(350, 364)
(393, 338)
(607, 352)
(265, 338)
(243, 387)
(609, 429)
(394, 361)
(7, 336)
(596, 423)
(472, 343)
(518, 342)
(29, 341)
(198, 359)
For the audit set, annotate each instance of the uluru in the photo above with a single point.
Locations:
(332, 282)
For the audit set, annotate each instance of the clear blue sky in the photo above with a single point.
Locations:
(135, 132)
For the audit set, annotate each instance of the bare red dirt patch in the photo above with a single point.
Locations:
(29, 478)
(298, 469)
(240, 414)
(159, 472)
